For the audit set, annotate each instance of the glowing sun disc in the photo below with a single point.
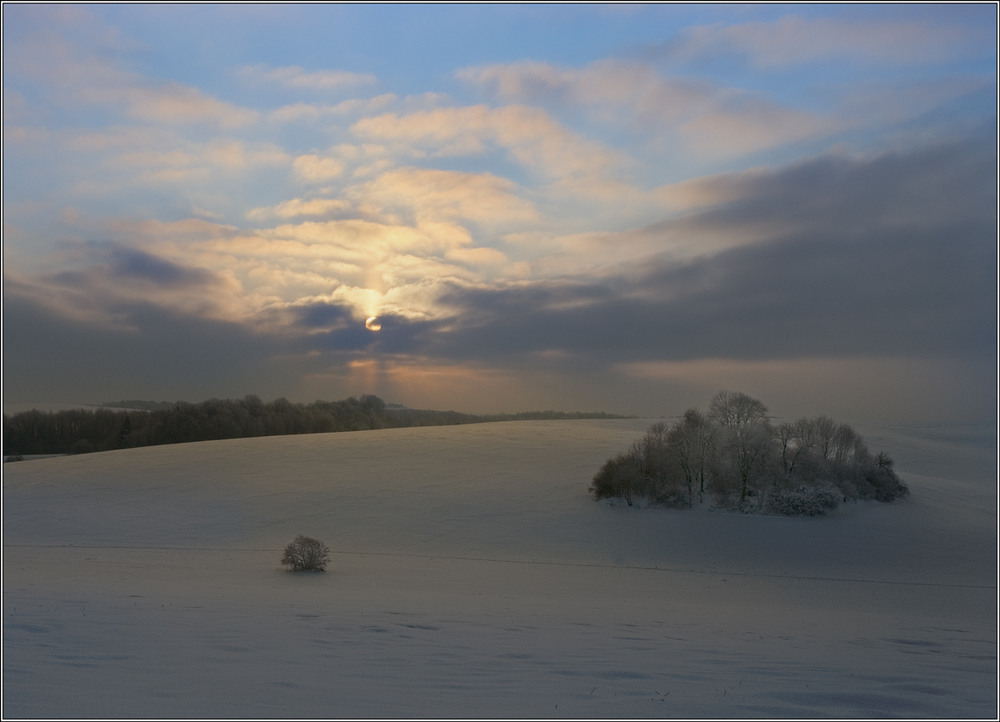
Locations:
(373, 324)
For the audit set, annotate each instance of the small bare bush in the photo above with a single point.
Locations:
(306, 554)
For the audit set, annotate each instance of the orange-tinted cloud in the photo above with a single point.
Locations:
(432, 195)
(528, 135)
(315, 168)
(302, 112)
(294, 76)
(297, 207)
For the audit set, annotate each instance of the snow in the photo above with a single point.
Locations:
(473, 576)
(47, 407)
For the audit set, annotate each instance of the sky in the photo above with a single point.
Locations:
(583, 207)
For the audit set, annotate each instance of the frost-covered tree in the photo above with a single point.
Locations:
(619, 478)
(735, 409)
(647, 469)
(804, 467)
(306, 554)
(691, 441)
(745, 436)
(792, 446)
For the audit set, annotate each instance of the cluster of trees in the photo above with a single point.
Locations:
(742, 461)
(81, 430)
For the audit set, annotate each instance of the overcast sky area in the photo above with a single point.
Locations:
(617, 208)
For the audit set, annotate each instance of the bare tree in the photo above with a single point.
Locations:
(848, 446)
(651, 458)
(691, 441)
(818, 434)
(306, 554)
(787, 435)
(805, 441)
(735, 409)
(746, 433)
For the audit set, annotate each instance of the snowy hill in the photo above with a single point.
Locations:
(472, 575)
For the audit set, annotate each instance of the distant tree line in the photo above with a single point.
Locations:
(735, 455)
(143, 423)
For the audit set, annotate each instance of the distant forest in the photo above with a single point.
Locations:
(147, 423)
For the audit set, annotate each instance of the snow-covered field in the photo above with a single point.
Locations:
(473, 576)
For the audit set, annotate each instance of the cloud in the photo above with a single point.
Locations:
(235, 155)
(123, 137)
(163, 158)
(750, 123)
(170, 103)
(322, 315)
(540, 235)
(130, 265)
(792, 41)
(296, 77)
(798, 303)
(151, 351)
(358, 238)
(480, 258)
(61, 47)
(110, 278)
(122, 166)
(366, 266)
(829, 240)
(434, 195)
(682, 113)
(314, 112)
(177, 234)
(605, 87)
(889, 255)
(868, 277)
(528, 135)
(298, 207)
(915, 187)
(877, 102)
(314, 168)
(68, 58)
